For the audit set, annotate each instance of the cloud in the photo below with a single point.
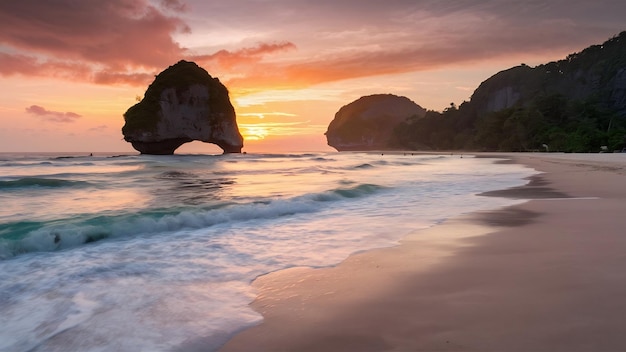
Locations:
(429, 35)
(299, 43)
(31, 66)
(54, 38)
(245, 56)
(54, 116)
(262, 115)
(100, 128)
(261, 130)
(116, 78)
(174, 5)
(341, 40)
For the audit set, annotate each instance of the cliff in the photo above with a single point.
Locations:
(577, 104)
(368, 122)
(183, 104)
(598, 71)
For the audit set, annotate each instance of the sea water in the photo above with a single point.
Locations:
(154, 253)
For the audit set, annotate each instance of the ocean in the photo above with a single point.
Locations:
(153, 253)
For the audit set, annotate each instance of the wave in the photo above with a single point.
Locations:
(66, 157)
(361, 190)
(8, 163)
(176, 175)
(45, 163)
(31, 236)
(322, 159)
(41, 182)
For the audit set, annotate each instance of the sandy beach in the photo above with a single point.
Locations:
(545, 275)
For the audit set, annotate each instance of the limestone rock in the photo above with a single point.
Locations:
(183, 104)
(597, 73)
(368, 122)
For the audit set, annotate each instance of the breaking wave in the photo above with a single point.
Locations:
(30, 236)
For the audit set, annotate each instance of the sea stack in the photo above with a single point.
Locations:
(183, 104)
(368, 122)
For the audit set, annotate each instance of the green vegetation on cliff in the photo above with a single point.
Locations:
(574, 105)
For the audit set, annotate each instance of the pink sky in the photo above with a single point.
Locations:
(69, 69)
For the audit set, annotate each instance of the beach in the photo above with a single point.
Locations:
(544, 275)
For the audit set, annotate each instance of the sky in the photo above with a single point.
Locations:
(69, 69)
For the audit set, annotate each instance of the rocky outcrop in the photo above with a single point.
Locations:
(503, 98)
(183, 104)
(368, 122)
(577, 104)
(597, 73)
(618, 95)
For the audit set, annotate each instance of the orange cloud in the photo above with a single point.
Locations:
(54, 116)
(32, 66)
(115, 78)
(340, 67)
(245, 56)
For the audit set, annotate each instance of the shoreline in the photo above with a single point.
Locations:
(535, 276)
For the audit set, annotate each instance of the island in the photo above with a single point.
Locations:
(368, 122)
(183, 104)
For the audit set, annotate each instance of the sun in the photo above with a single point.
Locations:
(254, 132)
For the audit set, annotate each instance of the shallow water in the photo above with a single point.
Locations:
(153, 253)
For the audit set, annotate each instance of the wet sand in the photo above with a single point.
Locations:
(546, 275)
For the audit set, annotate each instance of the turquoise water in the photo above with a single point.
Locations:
(132, 252)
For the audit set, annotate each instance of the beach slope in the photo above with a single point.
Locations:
(545, 275)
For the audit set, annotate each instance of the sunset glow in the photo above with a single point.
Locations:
(70, 69)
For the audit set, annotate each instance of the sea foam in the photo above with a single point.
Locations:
(20, 238)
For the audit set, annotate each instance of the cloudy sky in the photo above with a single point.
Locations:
(69, 69)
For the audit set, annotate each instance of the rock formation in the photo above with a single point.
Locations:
(183, 104)
(577, 104)
(597, 72)
(368, 122)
